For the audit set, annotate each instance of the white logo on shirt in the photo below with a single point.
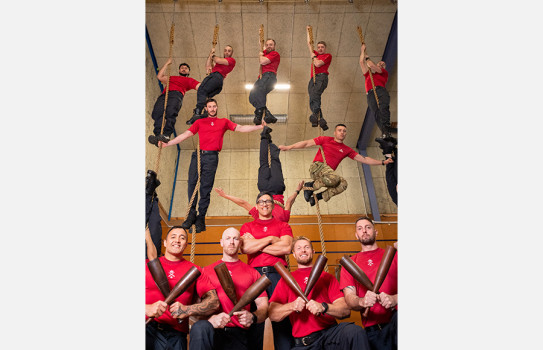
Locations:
(171, 274)
(305, 280)
(341, 150)
(212, 124)
(370, 262)
(265, 228)
(230, 273)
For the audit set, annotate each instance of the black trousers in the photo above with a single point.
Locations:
(315, 91)
(261, 88)
(208, 168)
(282, 331)
(162, 337)
(270, 179)
(391, 176)
(382, 113)
(386, 338)
(175, 101)
(209, 87)
(152, 215)
(343, 336)
(204, 337)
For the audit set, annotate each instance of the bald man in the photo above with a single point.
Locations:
(221, 331)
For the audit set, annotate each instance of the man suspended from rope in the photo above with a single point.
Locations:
(212, 84)
(270, 179)
(178, 86)
(152, 213)
(321, 61)
(269, 61)
(266, 241)
(211, 133)
(391, 173)
(322, 171)
(379, 76)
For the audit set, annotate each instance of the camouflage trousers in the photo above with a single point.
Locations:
(324, 176)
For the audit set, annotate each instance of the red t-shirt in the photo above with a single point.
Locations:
(277, 212)
(223, 68)
(333, 151)
(325, 290)
(369, 263)
(379, 79)
(274, 57)
(212, 132)
(245, 276)
(326, 58)
(182, 84)
(175, 270)
(264, 228)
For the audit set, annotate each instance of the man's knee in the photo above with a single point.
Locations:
(201, 329)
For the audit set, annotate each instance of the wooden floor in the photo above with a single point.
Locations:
(337, 231)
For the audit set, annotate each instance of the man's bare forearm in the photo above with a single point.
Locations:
(209, 304)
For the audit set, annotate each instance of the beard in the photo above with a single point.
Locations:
(368, 241)
(183, 75)
(305, 261)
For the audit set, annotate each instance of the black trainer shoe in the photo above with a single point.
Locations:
(151, 182)
(200, 224)
(265, 134)
(314, 120)
(153, 140)
(386, 146)
(269, 118)
(323, 124)
(163, 138)
(308, 194)
(258, 116)
(190, 220)
(312, 201)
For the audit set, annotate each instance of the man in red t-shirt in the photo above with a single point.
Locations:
(314, 324)
(166, 331)
(266, 240)
(269, 61)
(217, 68)
(220, 331)
(270, 179)
(177, 88)
(381, 323)
(322, 171)
(211, 131)
(321, 61)
(380, 78)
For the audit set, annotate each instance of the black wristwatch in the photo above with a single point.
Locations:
(254, 318)
(325, 305)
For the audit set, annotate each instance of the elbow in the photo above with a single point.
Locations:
(345, 313)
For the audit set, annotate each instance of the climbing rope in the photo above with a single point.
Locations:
(361, 36)
(261, 35)
(196, 189)
(214, 43)
(311, 42)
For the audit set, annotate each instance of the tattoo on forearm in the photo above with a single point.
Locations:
(210, 302)
(351, 288)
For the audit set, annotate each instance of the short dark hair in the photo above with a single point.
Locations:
(262, 194)
(230, 46)
(211, 100)
(343, 125)
(322, 42)
(175, 227)
(271, 40)
(184, 64)
(364, 218)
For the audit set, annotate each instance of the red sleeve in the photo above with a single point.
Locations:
(273, 56)
(345, 279)
(286, 230)
(334, 292)
(194, 127)
(230, 125)
(231, 61)
(203, 283)
(352, 153)
(319, 140)
(192, 83)
(245, 228)
(327, 59)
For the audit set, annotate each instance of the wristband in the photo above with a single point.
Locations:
(298, 192)
(314, 57)
(382, 162)
(325, 305)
